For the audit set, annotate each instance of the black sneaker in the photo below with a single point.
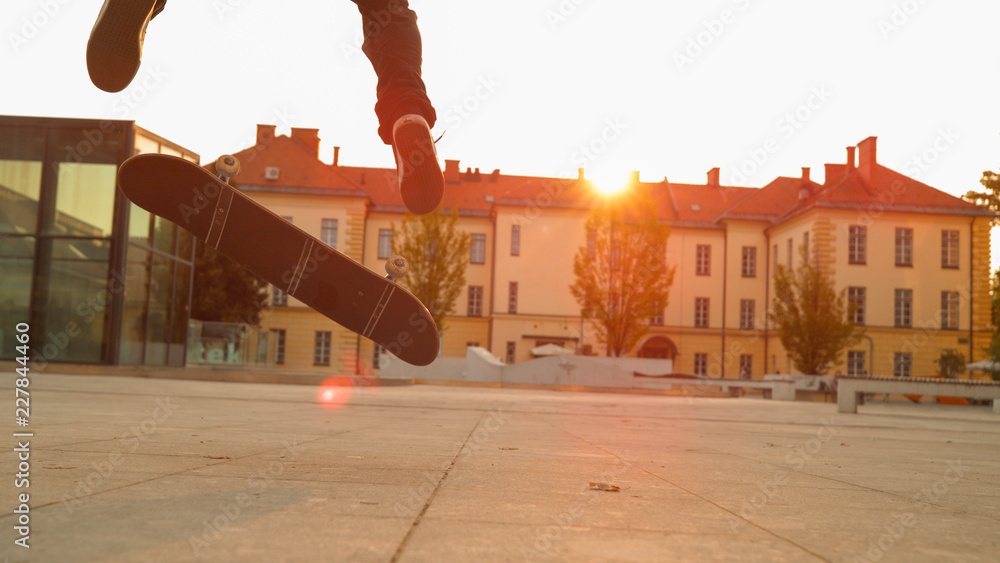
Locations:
(421, 183)
(115, 46)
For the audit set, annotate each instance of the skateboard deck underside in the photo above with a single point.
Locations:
(282, 254)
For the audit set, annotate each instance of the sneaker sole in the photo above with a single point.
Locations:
(115, 46)
(423, 183)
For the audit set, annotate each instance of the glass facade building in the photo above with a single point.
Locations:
(97, 279)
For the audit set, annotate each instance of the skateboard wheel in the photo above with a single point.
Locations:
(396, 266)
(227, 166)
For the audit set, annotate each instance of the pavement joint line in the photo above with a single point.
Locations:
(437, 487)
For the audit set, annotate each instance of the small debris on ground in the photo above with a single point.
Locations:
(605, 487)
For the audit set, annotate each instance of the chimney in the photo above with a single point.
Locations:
(452, 172)
(850, 158)
(833, 172)
(265, 133)
(713, 177)
(308, 138)
(336, 156)
(495, 176)
(633, 177)
(805, 174)
(866, 156)
(579, 174)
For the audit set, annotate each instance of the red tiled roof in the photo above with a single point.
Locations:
(691, 204)
(882, 189)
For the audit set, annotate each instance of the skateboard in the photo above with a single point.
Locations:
(284, 255)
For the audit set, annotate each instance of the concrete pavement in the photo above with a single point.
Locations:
(130, 469)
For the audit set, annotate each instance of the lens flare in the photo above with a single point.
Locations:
(335, 392)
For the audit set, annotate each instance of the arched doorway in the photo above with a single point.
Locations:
(659, 347)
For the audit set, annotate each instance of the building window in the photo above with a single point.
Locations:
(902, 364)
(278, 297)
(703, 260)
(791, 251)
(376, 362)
(857, 239)
(949, 249)
(328, 234)
(475, 300)
(746, 366)
(949, 310)
(904, 247)
(805, 246)
(384, 243)
(701, 312)
(775, 259)
(856, 297)
(856, 363)
(701, 364)
(511, 352)
(321, 352)
(904, 308)
(515, 240)
(658, 320)
(478, 249)
(747, 313)
(749, 262)
(279, 350)
(512, 298)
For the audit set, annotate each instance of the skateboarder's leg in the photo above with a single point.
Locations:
(115, 46)
(393, 45)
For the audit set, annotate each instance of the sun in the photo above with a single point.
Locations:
(608, 182)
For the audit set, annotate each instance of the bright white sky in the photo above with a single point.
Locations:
(675, 87)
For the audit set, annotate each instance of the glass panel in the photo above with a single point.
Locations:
(75, 309)
(180, 310)
(157, 333)
(133, 335)
(85, 199)
(163, 235)
(138, 225)
(144, 144)
(21, 153)
(17, 264)
(185, 245)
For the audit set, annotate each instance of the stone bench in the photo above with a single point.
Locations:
(851, 389)
(778, 390)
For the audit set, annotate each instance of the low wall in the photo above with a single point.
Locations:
(481, 366)
(441, 368)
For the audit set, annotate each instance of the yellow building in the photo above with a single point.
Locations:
(915, 259)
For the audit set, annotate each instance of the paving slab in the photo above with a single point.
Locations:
(130, 469)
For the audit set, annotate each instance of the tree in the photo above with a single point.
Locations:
(223, 291)
(994, 348)
(814, 321)
(622, 277)
(951, 362)
(437, 253)
(990, 197)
